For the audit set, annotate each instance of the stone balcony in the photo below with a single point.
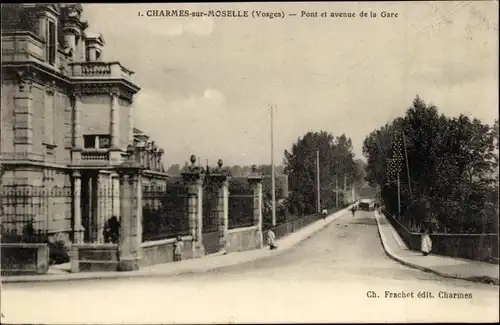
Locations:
(95, 157)
(100, 70)
(102, 157)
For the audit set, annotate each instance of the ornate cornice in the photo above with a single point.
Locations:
(105, 88)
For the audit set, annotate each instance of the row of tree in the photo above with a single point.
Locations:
(337, 170)
(447, 166)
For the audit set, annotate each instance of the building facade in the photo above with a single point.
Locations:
(66, 121)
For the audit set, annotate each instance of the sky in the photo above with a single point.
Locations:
(207, 83)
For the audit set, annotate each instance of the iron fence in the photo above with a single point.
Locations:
(241, 206)
(30, 212)
(165, 211)
(210, 218)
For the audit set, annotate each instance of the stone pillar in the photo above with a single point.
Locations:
(255, 180)
(131, 218)
(100, 207)
(199, 215)
(114, 125)
(70, 39)
(193, 178)
(83, 50)
(115, 154)
(77, 133)
(220, 178)
(92, 54)
(115, 181)
(130, 117)
(224, 216)
(23, 115)
(78, 228)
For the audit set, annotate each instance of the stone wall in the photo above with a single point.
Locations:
(94, 257)
(96, 114)
(47, 126)
(162, 251)
(480, 247)
(125, 120)
(242, 239)
(7, 116)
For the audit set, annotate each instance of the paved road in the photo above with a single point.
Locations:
(324, 279)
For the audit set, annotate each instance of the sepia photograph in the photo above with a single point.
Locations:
(249, 162)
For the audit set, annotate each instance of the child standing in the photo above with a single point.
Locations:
(179, 248)
(271, 237)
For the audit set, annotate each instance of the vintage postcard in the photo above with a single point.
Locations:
(287, 162)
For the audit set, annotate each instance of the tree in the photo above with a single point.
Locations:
(335, 158)
(236, 171)
(451, 162)
(246, 170)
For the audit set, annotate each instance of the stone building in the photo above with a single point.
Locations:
(66, 120)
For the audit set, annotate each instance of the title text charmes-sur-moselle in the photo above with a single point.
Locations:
(212, 13)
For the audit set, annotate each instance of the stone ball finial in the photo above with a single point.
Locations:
(220, 163)
(254, 168)
(192, 159)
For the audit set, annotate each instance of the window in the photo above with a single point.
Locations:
(51, 42)
(99, 141)
(98, 56)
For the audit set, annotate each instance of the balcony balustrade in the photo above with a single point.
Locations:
(100, 70)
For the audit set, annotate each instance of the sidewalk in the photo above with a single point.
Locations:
(199, 265)
(449, 267)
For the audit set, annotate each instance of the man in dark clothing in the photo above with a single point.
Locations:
(112, 230)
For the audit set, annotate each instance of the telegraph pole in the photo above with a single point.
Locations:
(407, 166)
(273, 181)
(317, 182)
(336, 191)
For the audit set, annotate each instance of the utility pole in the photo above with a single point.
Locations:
(407, 166)
(273, 181)
(317, 182)
(345, 187)
(336, 191)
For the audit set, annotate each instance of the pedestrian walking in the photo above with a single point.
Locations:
(324, 213)
(271, 238)
(179, 248)
(353, 210)
(426, 243)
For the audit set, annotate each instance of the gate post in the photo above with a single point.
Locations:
(255, 181)
(221, 178)
(130, 238)
(193, 178)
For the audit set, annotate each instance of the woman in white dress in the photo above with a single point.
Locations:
(271, 237)
(426, 243)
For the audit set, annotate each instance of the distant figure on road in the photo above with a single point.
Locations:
(426, 243)
(353, 210)
(179, 247)
(324, 213)
(271, 237)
